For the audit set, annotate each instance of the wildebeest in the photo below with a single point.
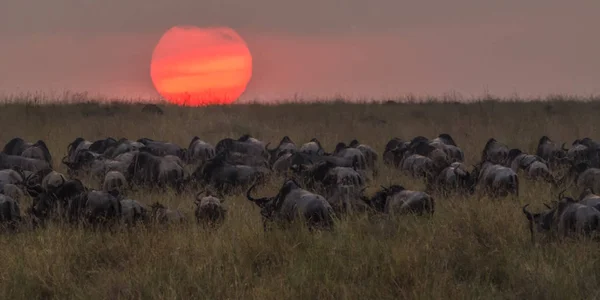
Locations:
(583, 176)
(534, 166)
(495, 179)
(391, 146)
(8, 161)
(158, 148)
(421, 160)
(209, 210)
(495, 152)
(133, 212)
(446, 143)
(566, 218)
(454, 178)
(224, 175)
(10, 212)
(329, 175)
(395, 199)
(292, 202)
(352, 154)
(114, 183)
(147, 169)
(312, 147)
(370, 155)
(12, 176)
(584, 150)
(13, 191)
(163, 215)
(589, 198)
(152, 109)
(347, 199)
(286, 146)
(245, 145)
(549, 151)
(199, 151)
(37, 150)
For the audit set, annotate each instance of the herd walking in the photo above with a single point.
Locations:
(318, 186)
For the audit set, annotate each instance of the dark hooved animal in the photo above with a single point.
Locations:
(534, 166)
(286, 146)
(133, 212)
(347, 199)
(114, 183)
(209, 210)
(37, 150)
(10, 212)
(495, 152)
(496, 180)
(199, 151)
(8, 161)
(549, 151)
(159, 148)
(225, 176)
(567, 218)
(454, 178)
(293, 202)
(396, 200)
(149, 170)
(163, 215)
(152, 109)
(370, 155)
(312, 147)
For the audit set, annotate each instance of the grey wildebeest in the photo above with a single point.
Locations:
(13, 191)
(199, 151)
(158, 148)
(133, 212)
(209, 210)
(150, 170)
(224, 175)
(8, 161)
(312, 147)
(114, 183)
(584, 150)
(396, 199)
(245, 145)
(568, 217)
(395, 144)
(286, 146)
(293, 202)
(10, 212)
(163, 215)
(496, 180)
(347, 199)
(583, 176)
(589, 198)
(534, 166)
(495, 152)
(549, 151)
(37, 150)
(327, 175)
(421, 160)
(370, 155)
(454, 178)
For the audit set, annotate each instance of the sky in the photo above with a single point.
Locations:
(313, 48)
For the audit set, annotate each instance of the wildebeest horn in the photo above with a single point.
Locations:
(563, 147)
(199, 194)
(248, 193)
(561, 195)
(548, 206)
(384, 188)
(267, 147)
(527, 213)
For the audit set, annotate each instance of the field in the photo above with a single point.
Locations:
(471, 248)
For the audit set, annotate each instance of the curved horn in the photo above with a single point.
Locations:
(561, 195)
(199, 194)
(248, 193)
(547, 205)
(563, 147)
(527, 213)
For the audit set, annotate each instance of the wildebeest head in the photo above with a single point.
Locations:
(546, 221)
(379, 200)
(82, 158)
(494, 151)
(100, 146)
(209, 208)
(266, 204)
(446, 139)
(14, 146)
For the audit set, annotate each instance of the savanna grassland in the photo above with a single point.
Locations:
(471, 248)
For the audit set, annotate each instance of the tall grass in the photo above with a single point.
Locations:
(471, 248)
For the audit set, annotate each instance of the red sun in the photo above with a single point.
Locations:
(201, 66)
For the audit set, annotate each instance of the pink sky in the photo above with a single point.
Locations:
(386, 49)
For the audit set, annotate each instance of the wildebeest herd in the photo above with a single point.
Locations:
(318, 187)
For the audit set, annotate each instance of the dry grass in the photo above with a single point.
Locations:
(471, 248)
